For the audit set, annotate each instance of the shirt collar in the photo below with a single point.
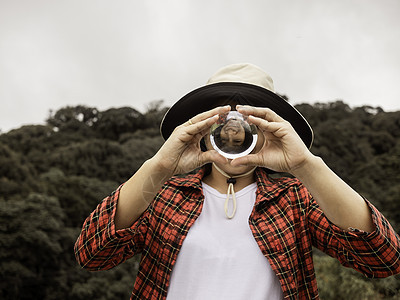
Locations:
(268, 188)
(191, 180)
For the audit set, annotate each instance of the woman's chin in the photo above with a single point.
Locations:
(234, 170)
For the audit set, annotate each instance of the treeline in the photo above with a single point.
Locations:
(52, 176)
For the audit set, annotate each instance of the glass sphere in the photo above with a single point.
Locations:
(233, 136)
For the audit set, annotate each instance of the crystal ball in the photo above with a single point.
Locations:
(233, 136)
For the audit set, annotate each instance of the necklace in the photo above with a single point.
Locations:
(231, 180)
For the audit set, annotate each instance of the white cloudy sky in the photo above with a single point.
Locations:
(105, 53)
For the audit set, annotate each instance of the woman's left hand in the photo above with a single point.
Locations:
(283, 149)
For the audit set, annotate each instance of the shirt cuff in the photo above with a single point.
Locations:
(353, 234)
(124, 234)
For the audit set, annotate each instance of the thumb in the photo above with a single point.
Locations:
(210, 156)
(247, 160)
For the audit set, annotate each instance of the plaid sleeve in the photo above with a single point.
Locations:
(375, 254)
(99, 246)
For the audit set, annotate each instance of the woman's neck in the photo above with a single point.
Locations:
(218, 180)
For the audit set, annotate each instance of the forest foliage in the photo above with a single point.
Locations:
(53, 175)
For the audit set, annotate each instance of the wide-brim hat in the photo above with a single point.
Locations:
(245, 84)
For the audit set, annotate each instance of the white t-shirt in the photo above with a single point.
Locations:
(220, 258)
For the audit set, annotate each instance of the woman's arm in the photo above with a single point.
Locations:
(340, 203)
(284, 151)
(181, 153)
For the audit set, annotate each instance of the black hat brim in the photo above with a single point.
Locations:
(216, 94)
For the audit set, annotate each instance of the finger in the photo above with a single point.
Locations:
(261, 112)
(278, 129)
(202, 122)
(247, 160)
(210, 113)
(212, 156)
(196, 131)
(201, 126)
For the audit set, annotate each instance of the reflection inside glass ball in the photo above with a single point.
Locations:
(233, 136)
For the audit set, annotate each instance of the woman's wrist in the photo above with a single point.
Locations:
(307, 167)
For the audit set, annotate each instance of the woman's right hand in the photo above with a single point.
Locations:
(181, 152)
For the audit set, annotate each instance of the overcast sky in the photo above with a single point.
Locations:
(104, 53)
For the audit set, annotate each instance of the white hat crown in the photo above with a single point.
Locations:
(243, 73)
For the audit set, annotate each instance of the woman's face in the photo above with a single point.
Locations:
(232, 133)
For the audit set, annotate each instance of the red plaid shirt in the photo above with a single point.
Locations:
(286, 222)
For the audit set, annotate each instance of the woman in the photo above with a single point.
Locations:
(194, 246)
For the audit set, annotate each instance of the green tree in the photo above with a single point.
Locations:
(77, 195)
(116, 121)
(16, 174)
(340, 283)
(63, 117)
(31, 238)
